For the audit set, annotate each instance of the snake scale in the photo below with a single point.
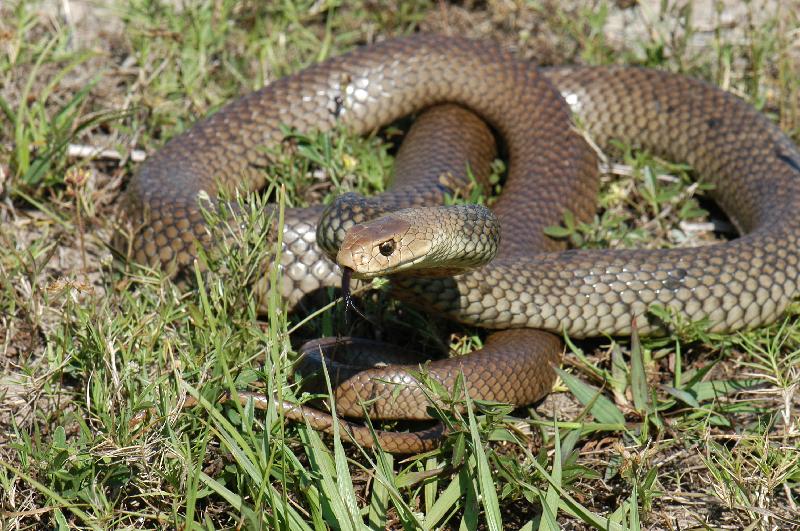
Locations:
(754, 169)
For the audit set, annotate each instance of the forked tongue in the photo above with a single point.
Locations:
(349, 302)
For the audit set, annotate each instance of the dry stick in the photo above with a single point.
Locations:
(82, 151)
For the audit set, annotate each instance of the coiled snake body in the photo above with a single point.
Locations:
(754, 167)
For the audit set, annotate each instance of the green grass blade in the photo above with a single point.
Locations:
(332, 496)
(639, 385)
(571, 505)
(233, 499)
(486, 483)
(379, 498)
(448, 501)
(601, 407)
(551, 499)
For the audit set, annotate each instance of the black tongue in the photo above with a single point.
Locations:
(347, 274)
(349, 300)
(349, 304)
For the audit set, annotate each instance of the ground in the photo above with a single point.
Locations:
(88, 341)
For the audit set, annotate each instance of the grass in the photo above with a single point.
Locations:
(688, 431)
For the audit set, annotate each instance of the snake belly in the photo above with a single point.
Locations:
(738, 284)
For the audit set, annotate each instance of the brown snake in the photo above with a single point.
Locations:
(739, 284)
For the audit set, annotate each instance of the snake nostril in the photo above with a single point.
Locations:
(387, 248)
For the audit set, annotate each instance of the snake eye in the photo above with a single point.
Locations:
(386, 248)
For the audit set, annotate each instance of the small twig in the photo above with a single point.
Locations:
(626, 170)
(2, 179)
(81, 151)
(788, 493)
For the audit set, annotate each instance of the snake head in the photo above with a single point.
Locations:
(423, 241)
(382, 247)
